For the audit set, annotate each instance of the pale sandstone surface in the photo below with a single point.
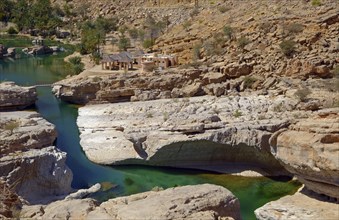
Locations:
(310, 150)
(29, 164)
(186, 202)
(37, 174)
(185, 132)
(23, 130)
(15, 97)
(299, 206)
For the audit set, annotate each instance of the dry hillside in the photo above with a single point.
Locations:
(262, 37)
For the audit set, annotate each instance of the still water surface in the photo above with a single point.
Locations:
(124, 180)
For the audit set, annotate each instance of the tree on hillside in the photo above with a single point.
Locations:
(43, 16)
(91, 38)
(22, 15)
(124, 43)
(6, 7)
(93, 34)
(153, 27)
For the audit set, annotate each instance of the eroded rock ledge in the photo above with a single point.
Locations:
(189, 132)
(29, 163)
(302, 205)
(16, 97)
(310, 150)
(187, 202)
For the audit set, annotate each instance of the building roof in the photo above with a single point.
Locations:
(122, 57)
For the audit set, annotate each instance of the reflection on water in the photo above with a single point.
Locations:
(125, 180)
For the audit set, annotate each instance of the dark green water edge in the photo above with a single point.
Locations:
(125, 180)
(26, 41)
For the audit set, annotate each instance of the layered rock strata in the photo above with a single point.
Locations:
(29, 163)
(16, 97)
(37, 175)
(187, 202)
(198, 131)
(22, 130)
(301, 205)
(310, 150)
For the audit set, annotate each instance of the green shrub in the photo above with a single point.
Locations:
(133, 33)
(265, 27)
(74, 65)
(243, 41)
(148, 43)
(293, 28)
(195, 12)
(196, 52)
(186, 25)
(229, 32)
(12, 30)
(248, 81)
(287, 47)
(223, 9)
(124, 43)
(303, 93)
(316, 2)
(75, 60)
(11, 125)
(336, 71)
(166, 116)
(96, 79)
(237, 113)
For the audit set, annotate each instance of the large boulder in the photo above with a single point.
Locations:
(37, 175)
(187, 202)
(23, 130)
(189, 132)
(16, 97)
(29, 164)
(87, 87)
(298, 206)
(310, 150)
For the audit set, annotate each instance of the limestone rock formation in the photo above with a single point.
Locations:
(117, 88)
(299, 206)
(187, 202)
(37, 174)
(23, 130)
(16, 97)
(63, 209)
(29, 164)
(188, 132)
(184, 202)
(310, 150)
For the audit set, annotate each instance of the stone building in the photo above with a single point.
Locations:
(119, 61)
(146, 61)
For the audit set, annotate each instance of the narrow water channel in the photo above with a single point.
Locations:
(125, 180)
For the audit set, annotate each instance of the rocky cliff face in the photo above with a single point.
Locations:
(206, 132)
(187, 202)
(302, 205)
(16, 97)
(185, 132)
(310, 150)
(37, 175)
(117, 88)
(29, 165)
(22, 130)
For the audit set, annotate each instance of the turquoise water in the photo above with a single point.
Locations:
(125, 180)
